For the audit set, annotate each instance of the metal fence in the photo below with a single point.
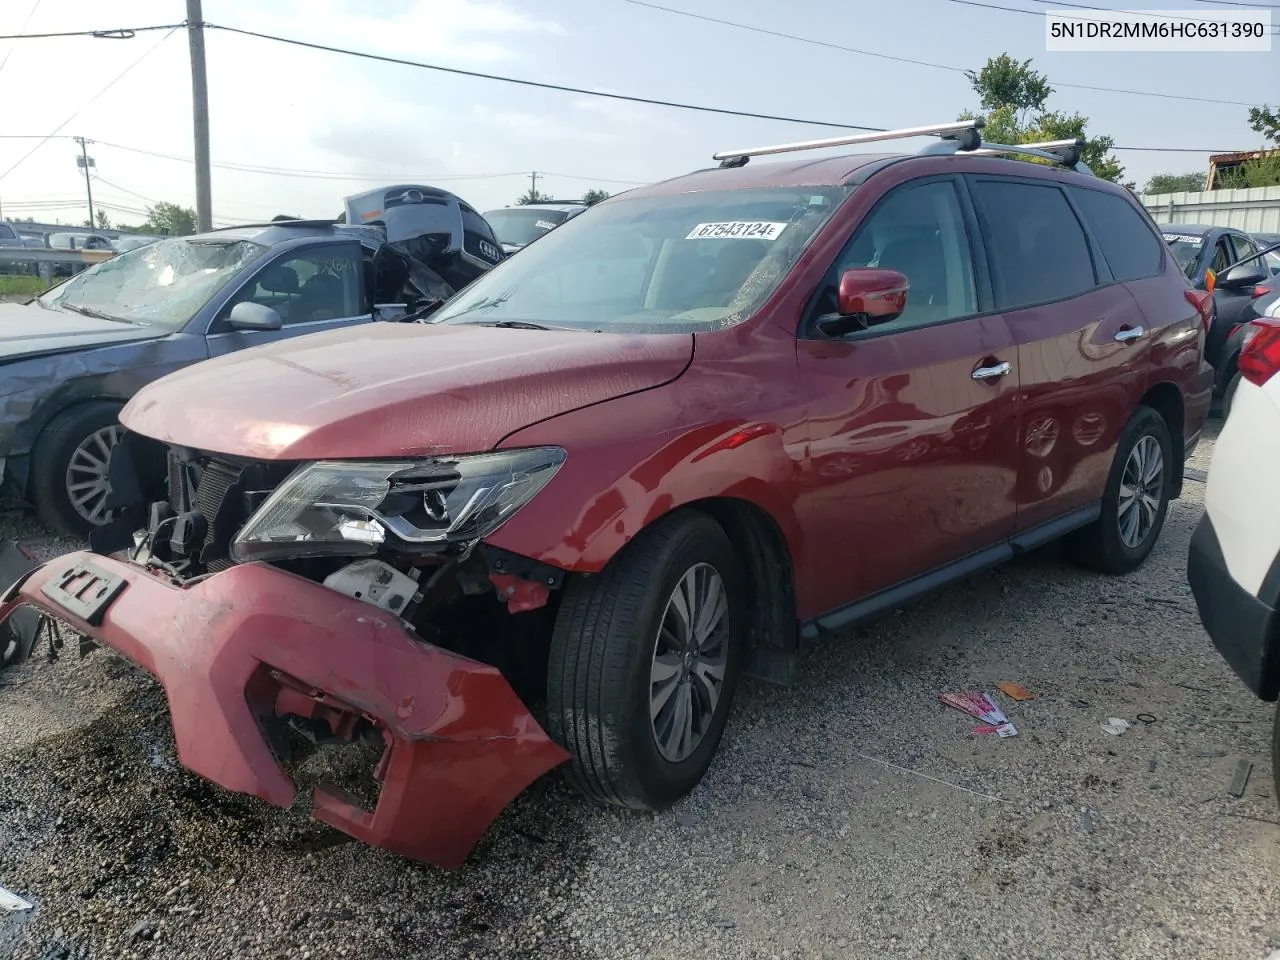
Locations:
(1253, 210)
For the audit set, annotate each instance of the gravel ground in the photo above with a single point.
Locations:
(816, 833)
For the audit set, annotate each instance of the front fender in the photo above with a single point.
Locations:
(614, 485)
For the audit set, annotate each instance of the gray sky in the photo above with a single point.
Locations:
(332, 116)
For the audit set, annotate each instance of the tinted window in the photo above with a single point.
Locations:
(317, 284)
(1037, 248)
(920, 232)
(1222, 255)
(6, 232)
(1131, 249)
(1244, 248)
(1186, 248)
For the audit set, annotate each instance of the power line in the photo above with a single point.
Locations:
(920, 63)
(116, 79)
(118, 33)
(1238, 3)
(1077, 6)
(30, 13)
(539, 85)
(338, 175)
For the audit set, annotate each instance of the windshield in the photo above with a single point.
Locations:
(162, 284)
(677, 264)
(516, 227)
(1186, 247)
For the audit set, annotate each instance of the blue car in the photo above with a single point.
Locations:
(71, 358)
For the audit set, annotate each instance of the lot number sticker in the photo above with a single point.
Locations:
(738, 230)
(1183, 238)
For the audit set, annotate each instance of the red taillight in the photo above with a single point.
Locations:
(1202, 300)
(1260, 291)
(1260, 358)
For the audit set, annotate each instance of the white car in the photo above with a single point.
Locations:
(1234, 562)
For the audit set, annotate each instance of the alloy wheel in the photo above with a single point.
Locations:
(1141, 492)
(690, 658)
(87, 483)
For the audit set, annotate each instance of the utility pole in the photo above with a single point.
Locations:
(84, 162)
(533, 185)
(200, 115)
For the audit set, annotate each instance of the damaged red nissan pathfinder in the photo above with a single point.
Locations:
(656, 450)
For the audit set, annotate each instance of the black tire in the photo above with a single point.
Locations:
(602, 651)
(52, 458)
(1275, 755)
(1100, 545)
(1229, 394)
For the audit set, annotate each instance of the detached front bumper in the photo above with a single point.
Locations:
(240, 648)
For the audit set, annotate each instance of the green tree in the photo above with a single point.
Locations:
(533, 196)
(593, 196)
(1266, 121)
(1175, 183)
(1263, 171)
(170, 219)
(1006, 82)
(104, 223)
(1013, 98)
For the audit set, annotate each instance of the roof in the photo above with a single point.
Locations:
(1242, 155)
(270, 234)
(1192, 229)
(809, 172)
(565, 207)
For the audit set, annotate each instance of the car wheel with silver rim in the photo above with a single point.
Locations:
(643, 663)
(69, 468)
(1136, 499)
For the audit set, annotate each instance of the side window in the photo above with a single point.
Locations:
(320, 283)
(1222, 255)
(1037, 248)
(1244, 248)
(6, 232)
(920, 232)
(1132, 251)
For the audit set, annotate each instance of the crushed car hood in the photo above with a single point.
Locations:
(28, 330)
(387, 389)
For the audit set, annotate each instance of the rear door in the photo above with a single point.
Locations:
(313, 289)
(912, 459)
(1081, 338)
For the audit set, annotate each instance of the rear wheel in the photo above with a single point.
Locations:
(644, 661)
(69, 467)
(1229, 394)
(1135, 501)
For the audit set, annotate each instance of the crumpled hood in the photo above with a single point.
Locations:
(390, 389)
(29, 330)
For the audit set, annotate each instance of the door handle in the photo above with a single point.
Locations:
(1128, 334)
(992, 372)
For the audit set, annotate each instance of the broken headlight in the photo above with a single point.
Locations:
(353, 508)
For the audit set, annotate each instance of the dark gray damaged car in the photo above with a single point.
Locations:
(71, 358)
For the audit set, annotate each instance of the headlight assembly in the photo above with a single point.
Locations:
(352, 508)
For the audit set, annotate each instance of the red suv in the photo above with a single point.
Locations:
(684, 432)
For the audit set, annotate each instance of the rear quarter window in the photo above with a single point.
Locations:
(1131, 250)
(1037, 248)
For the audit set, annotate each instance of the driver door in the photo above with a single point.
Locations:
(313, 289)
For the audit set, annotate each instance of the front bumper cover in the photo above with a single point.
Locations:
(238, 648)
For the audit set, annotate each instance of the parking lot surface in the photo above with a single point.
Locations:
(852, 815)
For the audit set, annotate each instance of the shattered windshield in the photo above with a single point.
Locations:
(516, 227)
(163, 284)
(673, 264)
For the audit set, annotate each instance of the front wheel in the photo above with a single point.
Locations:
(69, 467)
(1135, 501)
(644, 661)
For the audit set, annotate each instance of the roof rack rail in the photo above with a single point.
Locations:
(964, 132)
(1065, 153)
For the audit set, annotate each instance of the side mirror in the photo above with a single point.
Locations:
(1241, 275)
(867, 296)
(253, 316)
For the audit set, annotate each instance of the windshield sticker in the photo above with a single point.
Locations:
(1183, 238)
(738, 230)
(544, 225)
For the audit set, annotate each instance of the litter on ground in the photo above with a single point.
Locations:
(982, 707)
(11, 902)
(1015, 691)
(1115, 726)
